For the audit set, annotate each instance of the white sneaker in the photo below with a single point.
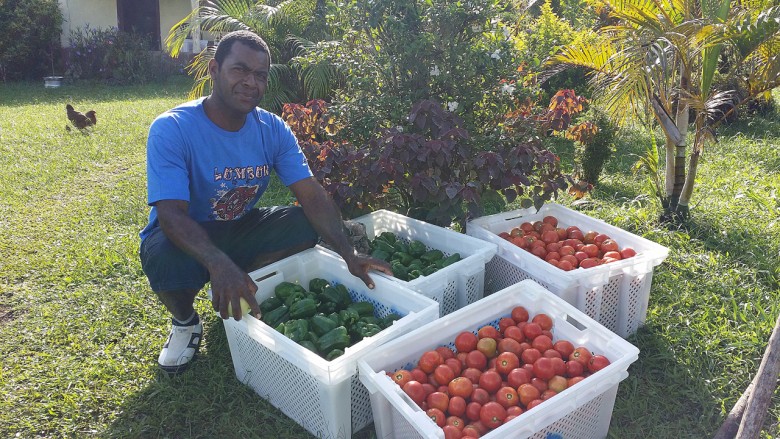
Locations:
(180, 349)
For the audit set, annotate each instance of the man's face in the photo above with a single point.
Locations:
(242, 78)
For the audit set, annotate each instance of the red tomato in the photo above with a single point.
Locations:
(526, 227)
(466, 341)
(472, 374)
(415, 391)
(438, 400)
(588, 237)
(490, 381)
(539, 384)
(471, 431)
(518, 376)
(529, 356)
(488, 331)
(543, 368)
(550, 236)
(565, 347)
(554, 247)
(460, 387)
(401, 377)
(452, 432)
(419, 375)
(539, 251)
(574, 380)
(597, 362)
(576, 234)
(591, 250)
(480, 395)
(574, 369)
(504, 323)
(582, 355)
(506, 235)
(543, 320)
(598, 239)
(437, 416)
(612, 255)
(627, 252)
(507, 397)
(457, 407)
(455, 365)
(559, 366)
(492, 415)
(509, 345)
(531, 331)
(515, 410)
(428, 389)
(429, 360)
(476, 359)
(514, 333)
(472, 411)
(507, 361)
(552, 353)
(487, 346)
(590, 262)
(549, 219)
(566, 250)
(534, 403)
(547, 394)
(565, 265)
(527, 393)
(542, 343)
(445, 352)
(519, 314)
(552, 256)
(443, 374)
(609, 245)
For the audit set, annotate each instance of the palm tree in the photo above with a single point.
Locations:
(290, 27)
(660, 60)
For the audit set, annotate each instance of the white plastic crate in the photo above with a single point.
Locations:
(614, 294)
(582, 411)
(454, 286)
(279, 369)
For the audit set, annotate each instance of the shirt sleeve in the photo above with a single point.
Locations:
(290, 163)
(166, 162)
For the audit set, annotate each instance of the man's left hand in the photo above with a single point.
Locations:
(359, 265)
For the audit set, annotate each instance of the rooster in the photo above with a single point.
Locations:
(80, 120)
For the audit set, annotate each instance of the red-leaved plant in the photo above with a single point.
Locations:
(427, 169)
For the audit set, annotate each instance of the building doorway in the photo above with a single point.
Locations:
(140, 17)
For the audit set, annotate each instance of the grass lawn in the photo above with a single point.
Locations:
(80, 329)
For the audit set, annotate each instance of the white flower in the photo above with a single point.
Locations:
(476, 28)
(400, 129)
(507, 88)
(493, 22)
(435, 71)
(452, 106)
(496, 54)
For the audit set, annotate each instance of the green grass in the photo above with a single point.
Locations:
(80, 330)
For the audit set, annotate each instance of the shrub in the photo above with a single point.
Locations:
(595, 145)
(428, 168)
(114, 56)
(29, 38)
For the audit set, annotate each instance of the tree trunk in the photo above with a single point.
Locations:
(766, 383)
(681, 122)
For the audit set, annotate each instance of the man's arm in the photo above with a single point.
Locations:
(324, 216)
(229, 283)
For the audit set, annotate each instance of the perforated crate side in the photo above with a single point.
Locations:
(590, 421)
(281, 382)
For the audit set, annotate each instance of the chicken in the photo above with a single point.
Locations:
(81, 120)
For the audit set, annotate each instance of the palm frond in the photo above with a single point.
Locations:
(179, 32)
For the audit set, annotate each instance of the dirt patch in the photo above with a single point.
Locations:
(6, 314)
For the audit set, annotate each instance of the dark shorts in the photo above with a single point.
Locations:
(260, 231)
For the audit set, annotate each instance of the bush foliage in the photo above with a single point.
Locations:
(29, 39)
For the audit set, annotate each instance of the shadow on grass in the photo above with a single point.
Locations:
(658, 376)
(17, 94)
(206, 401)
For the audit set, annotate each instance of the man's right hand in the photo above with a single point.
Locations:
(229, 284)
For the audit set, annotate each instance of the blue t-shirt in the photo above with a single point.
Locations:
(222, 174)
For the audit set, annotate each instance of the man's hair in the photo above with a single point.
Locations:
(249, 38)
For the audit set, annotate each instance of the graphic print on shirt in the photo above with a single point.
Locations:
(233, 203)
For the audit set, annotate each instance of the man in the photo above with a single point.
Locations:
(208, 163)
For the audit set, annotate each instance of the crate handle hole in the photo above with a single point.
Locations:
(576, 323)
(264, 277)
